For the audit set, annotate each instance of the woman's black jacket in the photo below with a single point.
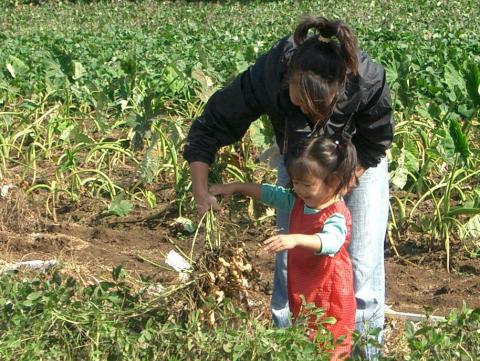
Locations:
(363, 111)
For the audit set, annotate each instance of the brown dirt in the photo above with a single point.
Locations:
(90, 245)
(414, 282)
(420, 281)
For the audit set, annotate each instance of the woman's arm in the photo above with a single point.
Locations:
(226, 118)
(230, 110)
(374, 119)
(203, 198)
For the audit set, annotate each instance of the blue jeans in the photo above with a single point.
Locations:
(368, 204)
(279, 303)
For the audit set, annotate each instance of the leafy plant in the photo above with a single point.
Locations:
(456, 338)
(120, 207)
(55, 318)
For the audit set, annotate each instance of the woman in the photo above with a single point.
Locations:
(309, 84)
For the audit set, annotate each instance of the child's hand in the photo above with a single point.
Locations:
(280, 242)
(222, 189)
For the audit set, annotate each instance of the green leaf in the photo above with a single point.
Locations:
(147, 335)
(174, 78)
(78, 70)
(456, 211)
(206, 88)
(151, 199)
(118, 273)
(120, 207)
(186, 223)
(410, 151)
(11, 70)
(260, 135)
(34, 295)
(471, 229)
(434, 111)
(472, 82)
(65, 135)
(16, 67)
(445, 146)
(459, 139)
(399, 176)
(406, 160)
(454, 79)
(115, 299)
(82, 137)
(150, 165)
(329, 321)
(465, 112)
(227, 347)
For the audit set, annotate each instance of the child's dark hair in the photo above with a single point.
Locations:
(333, 161)
(321, 62)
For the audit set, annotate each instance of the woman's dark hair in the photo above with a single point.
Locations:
(334, 162)
(320, 64)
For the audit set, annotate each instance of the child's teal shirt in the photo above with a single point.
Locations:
(334, 229)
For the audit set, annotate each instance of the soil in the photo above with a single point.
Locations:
(420, 282)
(89, 244)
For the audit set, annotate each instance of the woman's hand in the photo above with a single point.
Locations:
(206, 201)
(280, 242)
(354, 181)
(203, 198)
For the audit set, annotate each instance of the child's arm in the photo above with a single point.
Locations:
(326, 242)
(247, 189)
(273, 196)
(282, 242)
(333, 234)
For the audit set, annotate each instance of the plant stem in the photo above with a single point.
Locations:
(446, 208)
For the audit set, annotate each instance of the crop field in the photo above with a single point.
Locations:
(96, 99)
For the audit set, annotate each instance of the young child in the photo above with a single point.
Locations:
(318, 265)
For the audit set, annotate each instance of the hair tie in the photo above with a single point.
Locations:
(324, 39)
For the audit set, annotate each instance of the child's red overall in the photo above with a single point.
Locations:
(323, 280)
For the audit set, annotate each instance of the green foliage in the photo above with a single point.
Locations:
(102, 92)
(49, 317)
(52, 318)
(14, 3)
(456, 338)
(459, 139)
(120, 207)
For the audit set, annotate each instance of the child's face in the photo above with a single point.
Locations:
(312, 190)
